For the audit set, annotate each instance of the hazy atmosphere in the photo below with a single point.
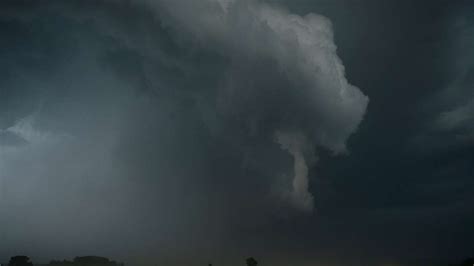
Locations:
(189, 132)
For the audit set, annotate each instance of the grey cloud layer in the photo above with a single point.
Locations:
(453, 105)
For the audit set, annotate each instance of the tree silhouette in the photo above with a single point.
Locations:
(251, 262)
(20, 261)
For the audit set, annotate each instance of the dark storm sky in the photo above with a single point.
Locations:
(194, 131)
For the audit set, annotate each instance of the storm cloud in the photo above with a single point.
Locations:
(297, 51)
(136, 113)
(180, 132)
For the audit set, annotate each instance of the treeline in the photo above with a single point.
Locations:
(86, 261)
(101, 261)
(77, 261)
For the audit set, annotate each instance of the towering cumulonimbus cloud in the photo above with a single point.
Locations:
(218, 81)
(317, 101)
(284, 74)
(186, 108)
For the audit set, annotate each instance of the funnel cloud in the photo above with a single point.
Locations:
(295, 144)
